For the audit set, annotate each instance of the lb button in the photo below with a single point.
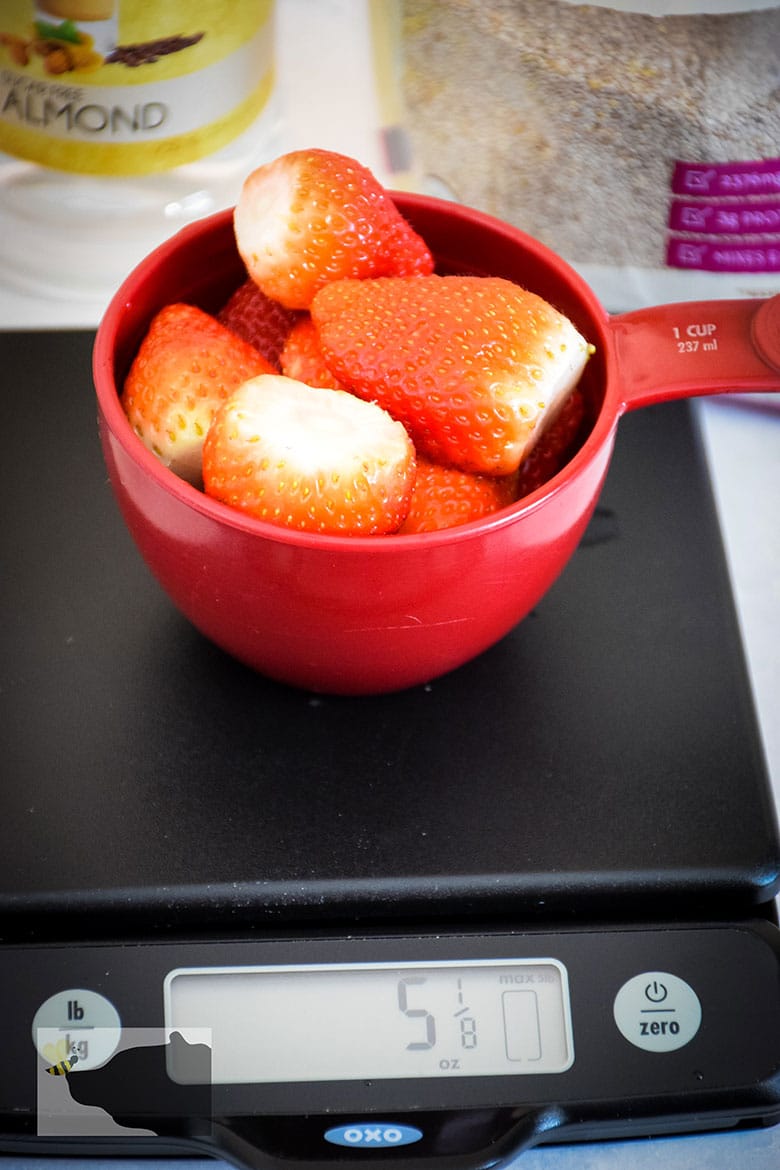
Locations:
(76, 1029)
(657, 1011)
(374, 1135)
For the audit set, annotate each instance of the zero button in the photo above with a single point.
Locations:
(657, 1011)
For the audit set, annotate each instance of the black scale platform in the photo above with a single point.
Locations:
(601, 762)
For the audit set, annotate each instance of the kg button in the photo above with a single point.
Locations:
(76, 1029)
(657, 1011)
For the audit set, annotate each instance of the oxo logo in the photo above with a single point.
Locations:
(376, 1134)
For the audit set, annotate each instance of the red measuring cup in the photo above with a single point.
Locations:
(367, 615)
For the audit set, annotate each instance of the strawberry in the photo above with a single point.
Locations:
(555, 447)
(301, 356)
(186, 365)
(312, 216)
(309, 458)
(474, 367)
(444, 497)
(259, 320)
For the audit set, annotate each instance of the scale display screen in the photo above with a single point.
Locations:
(374, 1020)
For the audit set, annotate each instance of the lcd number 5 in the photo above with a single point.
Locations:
(467, 1024)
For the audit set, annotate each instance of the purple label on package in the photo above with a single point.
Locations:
(726, 257)
(730, 219)
(740, 200)
(721, 180)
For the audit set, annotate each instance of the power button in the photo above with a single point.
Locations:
(657, 1011)
(656, 991)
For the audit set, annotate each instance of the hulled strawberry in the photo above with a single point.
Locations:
(313, 216)
(556, 446)
(301, 357)
(475, 367)
(308, 458)
(262, 322)
(444, 497)
(186, 365)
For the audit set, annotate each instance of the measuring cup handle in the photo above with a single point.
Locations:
(697, 347)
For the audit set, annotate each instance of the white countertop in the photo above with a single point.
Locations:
(327, 40)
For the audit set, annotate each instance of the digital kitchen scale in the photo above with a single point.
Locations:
(529, 902)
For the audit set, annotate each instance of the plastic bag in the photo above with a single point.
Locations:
(639, 140)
